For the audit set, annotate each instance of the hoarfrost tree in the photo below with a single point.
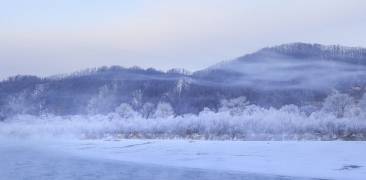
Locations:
(182, 84)
(125, 111)
(103, 102)
(137, 99)
(19, 104)
(164, 110)
(338, 104)
(362, 105)
(38, 97)
(309, 109)
(147, 110)
(2, 115)
(235, 106)
(30, 101)
(206, 111)
(291, 109)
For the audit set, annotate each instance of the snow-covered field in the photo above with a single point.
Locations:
(180, 159)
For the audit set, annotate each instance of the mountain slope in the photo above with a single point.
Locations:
(297, 73)
(296, 65)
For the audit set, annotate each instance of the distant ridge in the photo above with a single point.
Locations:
(300, 50)
(296, 73)
(306, 50)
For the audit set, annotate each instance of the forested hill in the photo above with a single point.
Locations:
(298, 73)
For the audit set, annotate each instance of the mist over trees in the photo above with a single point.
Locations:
(282, 87)
(93, 93)
(339, 117)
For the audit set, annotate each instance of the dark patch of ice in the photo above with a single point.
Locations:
(350, 167)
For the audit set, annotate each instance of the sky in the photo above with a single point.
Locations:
(43, 37)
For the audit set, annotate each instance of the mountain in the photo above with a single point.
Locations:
(291, 66)
(297, 73)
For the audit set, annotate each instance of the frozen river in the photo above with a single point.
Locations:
(180, 159)
(25, 164)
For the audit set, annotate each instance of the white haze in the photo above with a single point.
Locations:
(299, 73)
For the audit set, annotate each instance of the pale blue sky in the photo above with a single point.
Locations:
(44, 37)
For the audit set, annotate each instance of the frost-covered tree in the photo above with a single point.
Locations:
(137, 99)
(362, 102)
(362, 105)
(309, 109)
(103, 102)
(30, 101)
(182, 85)
(38, 97)
(164, 110)
(125, 111)
(2, 115)
(206, 111)
(291, 109)
(338, 104)
(147, 110)
(235, 106)
(20, 104)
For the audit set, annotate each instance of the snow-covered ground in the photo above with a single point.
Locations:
(180, 159)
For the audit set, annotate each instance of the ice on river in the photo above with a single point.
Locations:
(180, 159)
